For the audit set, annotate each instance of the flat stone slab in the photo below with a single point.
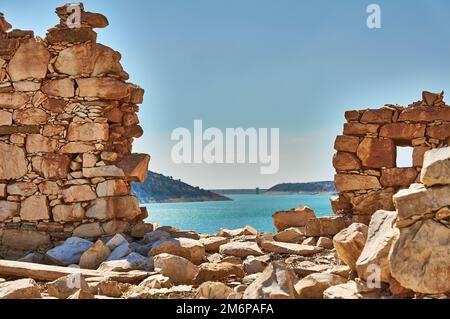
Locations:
(289, 248)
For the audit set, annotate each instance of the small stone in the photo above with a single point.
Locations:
(178, 269)
(70, 252)
(350, 242)
(94, 256)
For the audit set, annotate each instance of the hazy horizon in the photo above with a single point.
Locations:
(293, 65)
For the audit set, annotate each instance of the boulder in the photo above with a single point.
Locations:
(215, 290)
(13, 164)
(19, 289)
(70, 252)
(121, 251)
(94, 256)
(133, 261)
(419, 257)
(290, 235)
(29, 62)
(247, 230)
(325, 226)
(240, 249)
(296, 217)
(178, 269)
(188, 248)
(292, 249)
(66, 286)
(418, 200)
(350, 242)
(325, 243)
(275, 282)
(212, 244)
(436, 167)
(82, 295)
(217, 272)
(381, 234)
(135, 167)
(253, 265)
(351, 290)
(313, 286)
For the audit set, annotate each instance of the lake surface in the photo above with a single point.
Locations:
(253, 210)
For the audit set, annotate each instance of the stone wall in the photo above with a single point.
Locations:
(67, 123)
(367, 175)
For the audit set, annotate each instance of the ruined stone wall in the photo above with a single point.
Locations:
(367, 175)
(67, 123)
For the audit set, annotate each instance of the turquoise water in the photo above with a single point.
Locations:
(253, 210)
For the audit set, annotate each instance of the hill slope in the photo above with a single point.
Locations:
(158, 188)
(314, 187)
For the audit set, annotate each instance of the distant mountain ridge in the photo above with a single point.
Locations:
(310, 188)
(158, 188)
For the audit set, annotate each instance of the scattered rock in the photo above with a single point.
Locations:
(190, 249)
(296, 217)
(350, 242)
(180, 270)
(19, 289)
(216, 290)
(217, 272)
(313, 286)
(66, 286)
(240, 249)
(276, 282)
(288, 248)
(290, 235)
(94, 256)
(70, 252)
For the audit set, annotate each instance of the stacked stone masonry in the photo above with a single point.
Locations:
(367, 175)
(67, 123)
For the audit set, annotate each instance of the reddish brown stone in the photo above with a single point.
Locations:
(104, 88)
(339, 203)
(13, 100)
(440, 132)
(54, 105)
(83, 34)
(425, 114)
(346, 143)
(418, 155)
(352, 115)
(135, 167)
(398, 177)
(59, 88)
(325, 226)
(134, 131)
(114, 115)
(378, 116)
(358, 129)
(377, 153)
(13, 164)
(29, 62)
(346, 162)
(30, 116)
(37, 143)
(137, 94)
(78, 193)
(402, 132)
(52, 166)
(88, 132)
(350, 182)
(35, 208)
(369, 203)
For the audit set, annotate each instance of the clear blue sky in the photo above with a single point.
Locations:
(296, 65)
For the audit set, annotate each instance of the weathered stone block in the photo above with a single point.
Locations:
(436, 167)
(36, 143)
(68, 213)
(440, 132)
(379, 116)
(105, 88)
(351, 182)
(88, 132)
(78, 193)
(103, 171)
(358, 129)
(13, 164)
(30, 116)
(346, 143)
(8, 210)
(419, 155)
(346, 162)
(24, 239)
(59, 88)
(123, 207)
(35, 208)
(325, 226)
(82, 34)
(135, 167)
(51, 166)
(29, 62)
(13, 100)
(114, 187)
(398, 177)
(377, 153)
(402, 132)
(371, 202)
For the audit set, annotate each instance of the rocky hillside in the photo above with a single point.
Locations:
(163, 189)
(314, 187)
